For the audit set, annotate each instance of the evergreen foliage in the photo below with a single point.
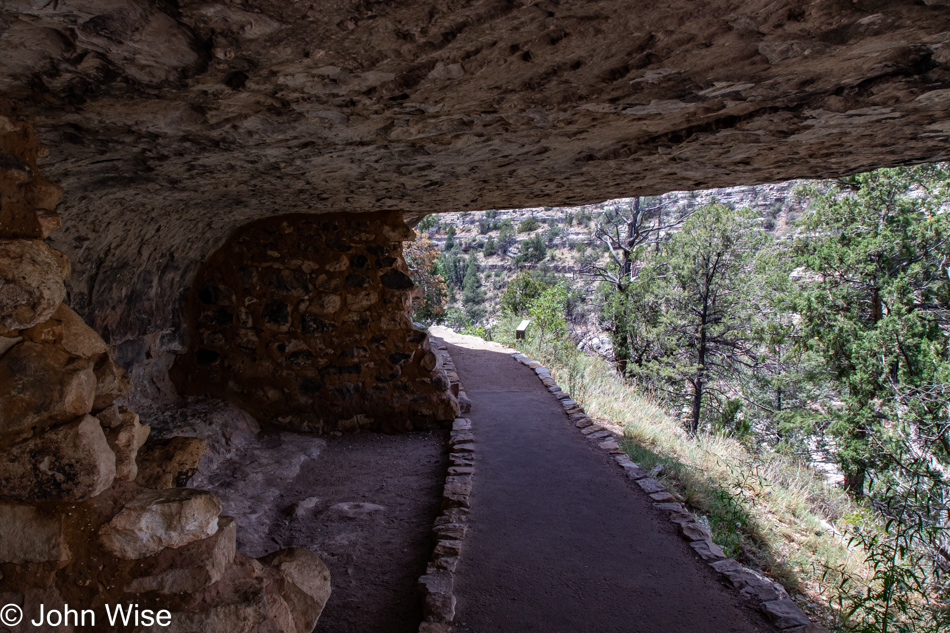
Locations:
(450, 240)
(521, 292)
(491, 247)
(473, 295)
(873, 299)
(696, 296)
(528, 225)
(533, 250)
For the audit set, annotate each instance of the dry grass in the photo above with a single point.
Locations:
(764, 509)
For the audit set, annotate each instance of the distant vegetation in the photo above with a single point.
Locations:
(814, 329)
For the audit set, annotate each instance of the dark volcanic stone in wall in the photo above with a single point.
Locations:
(303, 321)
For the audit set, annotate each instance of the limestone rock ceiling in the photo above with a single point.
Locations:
(170, 124)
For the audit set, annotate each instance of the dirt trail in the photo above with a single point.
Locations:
(560, 541)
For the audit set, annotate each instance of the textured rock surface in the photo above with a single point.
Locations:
(170, 463)
(31, 282)
(173, 124)
(126, 436)
(66, 329)
(158, 519)
(82, 534)
(190, 568)
(304, 322)
(30, 535)
(305, 583)
(70, 462)
(42, 385)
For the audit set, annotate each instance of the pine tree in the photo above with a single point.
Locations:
(694, 302)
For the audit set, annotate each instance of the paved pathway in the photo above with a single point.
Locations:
(560, 541)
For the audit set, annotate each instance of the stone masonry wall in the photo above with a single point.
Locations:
(77, 525)
(303, 321)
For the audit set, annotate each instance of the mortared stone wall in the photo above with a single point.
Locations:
(303, 321)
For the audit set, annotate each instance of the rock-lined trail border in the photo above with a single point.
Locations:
(771, 597)
(437, 585)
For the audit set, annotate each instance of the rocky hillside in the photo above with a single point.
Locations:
(569, 238)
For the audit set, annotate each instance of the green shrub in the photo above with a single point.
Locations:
(528, 224)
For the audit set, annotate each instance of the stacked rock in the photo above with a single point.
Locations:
(75, 527)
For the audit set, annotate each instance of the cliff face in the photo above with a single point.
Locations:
(173, 123)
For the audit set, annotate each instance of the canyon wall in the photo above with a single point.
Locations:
(175, 123)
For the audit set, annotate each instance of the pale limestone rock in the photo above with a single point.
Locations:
(305, 584)
(438, 596)
(651, 486)
(694, 532)
(429, 361)
(126, 438)
(190, 568)
(70, 462)
(708, 550)
(157, 519)
(357, 302)
(30, 535)
(43, 385)
(31, 283)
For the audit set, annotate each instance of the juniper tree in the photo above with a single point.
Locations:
(873, 298)
(473, 296)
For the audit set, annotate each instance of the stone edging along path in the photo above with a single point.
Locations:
(437, 585)
(771, 597)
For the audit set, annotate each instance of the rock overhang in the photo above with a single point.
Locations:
(172, 124)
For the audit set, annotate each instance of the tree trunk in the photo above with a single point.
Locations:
(621, 343)
(697, 406)
(854, 481)
(698, 384)
(626, 275)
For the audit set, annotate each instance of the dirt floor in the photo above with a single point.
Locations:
(364, 503)
(377, 497)
(560, 540)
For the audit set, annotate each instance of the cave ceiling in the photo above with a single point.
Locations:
(170, 123)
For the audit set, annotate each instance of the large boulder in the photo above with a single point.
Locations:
(190, 568)
(31, 282)
(156, 519)
(304, 584)
(42, 385)
(71, 462)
